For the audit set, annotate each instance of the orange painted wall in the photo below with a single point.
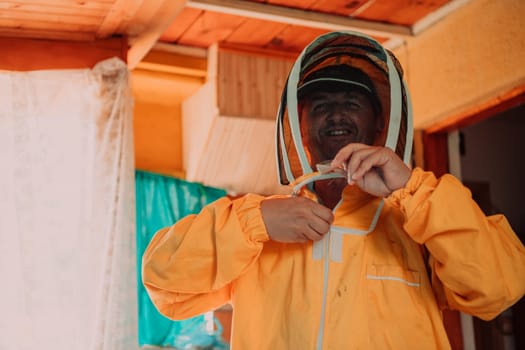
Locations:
(32, 54)
(158, 119)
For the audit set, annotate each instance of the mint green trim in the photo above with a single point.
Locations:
(410, 129)
(320, 335)
(336, 238)
(318, 248)
(396, 102)
(321, 176)
(293, 117)
(285, 160)
(393, 278)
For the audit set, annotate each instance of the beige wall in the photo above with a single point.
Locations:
(474, 55)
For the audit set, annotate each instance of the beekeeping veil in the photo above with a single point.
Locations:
(359, 52)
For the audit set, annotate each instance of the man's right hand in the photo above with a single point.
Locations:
(295, 219)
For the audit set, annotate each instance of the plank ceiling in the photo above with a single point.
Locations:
(273, 24)
(288, 25)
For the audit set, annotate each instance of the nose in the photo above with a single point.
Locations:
(337, 112)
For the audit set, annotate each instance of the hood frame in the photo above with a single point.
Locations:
(289, 104)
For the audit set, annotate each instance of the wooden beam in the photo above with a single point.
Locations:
(299, 17)
(436, 16)
(29, 54)
(175, 70)
(173, 63)
(121, 11)
(81, 25)
(182, 50)
(176, 59)
(142, 43)
(6, 32)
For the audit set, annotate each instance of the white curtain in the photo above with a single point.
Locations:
(67, 212)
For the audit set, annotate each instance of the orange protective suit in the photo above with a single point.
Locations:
(379, 296)
(381, 276)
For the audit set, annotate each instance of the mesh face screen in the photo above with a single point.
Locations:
(329, 50)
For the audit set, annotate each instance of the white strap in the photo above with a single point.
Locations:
(293, 117)
(407, 158)
(396, 102)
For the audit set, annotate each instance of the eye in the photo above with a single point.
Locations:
(320, 107)
(352, 105)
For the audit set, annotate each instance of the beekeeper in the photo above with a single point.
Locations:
(366, 251)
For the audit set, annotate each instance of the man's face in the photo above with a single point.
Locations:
(332, 120)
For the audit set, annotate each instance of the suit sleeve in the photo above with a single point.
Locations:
(477, 262)
(188, 268)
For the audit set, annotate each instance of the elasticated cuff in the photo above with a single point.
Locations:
(249, 213)
(414, 182)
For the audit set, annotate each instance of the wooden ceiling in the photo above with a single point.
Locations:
(285, 25)
(288, 25)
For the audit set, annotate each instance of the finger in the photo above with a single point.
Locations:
(302, 238)
(312, 234)
(323, 213)
(341, 158)
(372, 183)
(319, 226)
(301, 235)
(357, 158)
(376, 159)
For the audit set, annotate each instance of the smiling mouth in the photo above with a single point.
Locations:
(337, 132)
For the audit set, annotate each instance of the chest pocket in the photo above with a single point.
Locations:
(395, 307)
(395, 274)
(393, 291)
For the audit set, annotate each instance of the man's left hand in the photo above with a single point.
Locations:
(376, 170)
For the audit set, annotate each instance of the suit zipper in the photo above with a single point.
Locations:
(320, 335)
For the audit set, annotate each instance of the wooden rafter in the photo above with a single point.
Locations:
(160, 14)
(299, 17)
(121, 11)
(436, 16)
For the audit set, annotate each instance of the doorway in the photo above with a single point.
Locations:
(493, 167)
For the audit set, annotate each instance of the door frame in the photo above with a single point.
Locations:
(432, 153)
